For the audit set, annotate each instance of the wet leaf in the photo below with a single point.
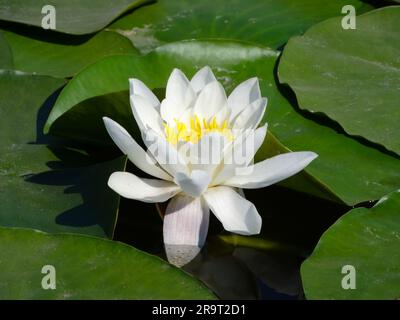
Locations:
(51, 188)
(61, 55)
(94, 269)
(73, 17)
(352, 76)
(263, 22)
(369, 241)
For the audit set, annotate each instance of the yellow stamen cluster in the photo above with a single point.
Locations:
(196, 130)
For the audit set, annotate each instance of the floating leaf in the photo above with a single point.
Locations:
(352, 76)
(62, 55)
(369, 241)
(266, 22)
(350, 170)
(6, 55)
(48, 188)
(73, 16)
(87, 268)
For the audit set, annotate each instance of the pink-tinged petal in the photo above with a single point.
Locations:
(185, 228)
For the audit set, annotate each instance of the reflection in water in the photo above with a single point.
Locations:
(238, 267)
(180, 255)
(279, 271)
(226, 275)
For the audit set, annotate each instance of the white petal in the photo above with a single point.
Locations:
(147, 190)
(223, 114)
(251, 116)
(203, 77)
(179, 96)
(244, 94)
(259, 137)
(211, 100)
(166, 154)
(193, 184)
(240, 154)
(236, 214)
(135, 153)
(178, 87)
(207, 154)
(137, 87)
(185, 228)
(169, 111)
(272, 170)
(145, 115)
(185, 117)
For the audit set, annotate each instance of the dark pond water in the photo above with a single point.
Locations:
(238, 267)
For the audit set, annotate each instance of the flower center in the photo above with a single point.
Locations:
(196, 130)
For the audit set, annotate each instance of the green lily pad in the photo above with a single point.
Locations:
(47, 187)
(115, 105)
(265, 22)
(352, 76)
(87, 268)
(73, 17)
(369, 241)
(374, 175)
(47, 55)
(6, 55)
(332, 175)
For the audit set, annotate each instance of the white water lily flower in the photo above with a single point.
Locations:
(197, 119)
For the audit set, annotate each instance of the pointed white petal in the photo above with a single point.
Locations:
(178, 97)
(185, 116)
(167, 155)
(135, 153)
(240, 154)
(137, 87)
(251, 116)
(272, 170)
(203, 77)
(244, 94)
(223, 114)
(170, 111)
(236, 214)
(185, 228)
(178, 87)
(211, 100)
(147, 190)
(259, 137)
(207, 154)
(193, 184)
(145, 115)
